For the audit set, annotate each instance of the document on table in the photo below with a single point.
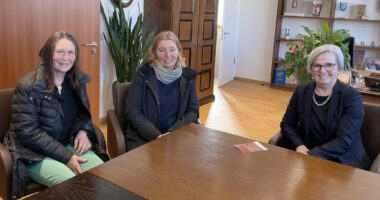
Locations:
(250, 147)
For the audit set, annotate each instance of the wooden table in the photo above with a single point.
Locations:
(85, 186)
(195, 162)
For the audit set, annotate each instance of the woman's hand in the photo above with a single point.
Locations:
(302, 149)
(81, 142)
(74, 164)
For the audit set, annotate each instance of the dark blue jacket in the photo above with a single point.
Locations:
(344, 120)
(143, 110)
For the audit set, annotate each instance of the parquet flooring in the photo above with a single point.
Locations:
(247, 109)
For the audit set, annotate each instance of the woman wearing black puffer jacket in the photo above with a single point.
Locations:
(162, 96)
(51, 133)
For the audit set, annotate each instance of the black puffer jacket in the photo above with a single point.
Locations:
(36, 117)
(143, 110)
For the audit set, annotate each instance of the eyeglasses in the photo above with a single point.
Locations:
(328, 67)
(62, 53)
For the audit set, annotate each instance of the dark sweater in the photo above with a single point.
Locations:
(169, 103)
(70, 104)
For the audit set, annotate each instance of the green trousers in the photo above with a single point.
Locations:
(50, 172)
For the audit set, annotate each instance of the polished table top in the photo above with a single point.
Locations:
(85, 186)
(196, 162)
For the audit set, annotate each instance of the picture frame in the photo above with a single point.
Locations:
(360, 10)
(317, 7)
(359, 59)
(294, 8)
(372, 64)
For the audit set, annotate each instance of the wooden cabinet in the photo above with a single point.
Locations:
(364, 31)
(195, 23)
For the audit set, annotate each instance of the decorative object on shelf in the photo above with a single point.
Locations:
(294, 4)
(295, 58)
(127, 43)
(343, 6)
(317, 7)
(373, 43)
(359, 59)
(294, 8)
(280, 76)
(361, 11)
(342, 9)
(365, 16)
(372, 64)
(362, 43)
(287, 33)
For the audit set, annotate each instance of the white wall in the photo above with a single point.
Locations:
(107, 68)
(255, 39)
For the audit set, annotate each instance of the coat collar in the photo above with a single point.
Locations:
(40, 83)
(334, 100)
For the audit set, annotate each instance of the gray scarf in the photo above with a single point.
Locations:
(166, 75)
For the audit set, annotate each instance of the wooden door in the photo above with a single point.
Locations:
(185, 26)
(208, 14)
(26, 25)
(194, 21)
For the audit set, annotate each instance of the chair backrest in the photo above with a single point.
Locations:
(6, 96)
(371, 129)
(119, 93)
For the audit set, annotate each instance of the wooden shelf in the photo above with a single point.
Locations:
(288, 40)
(308, 17)
(357, 20)
(366, 47)
(279, 61)
(286, 20)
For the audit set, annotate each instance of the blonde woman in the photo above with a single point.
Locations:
(162, 96)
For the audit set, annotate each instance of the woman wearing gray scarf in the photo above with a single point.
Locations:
(162, 96)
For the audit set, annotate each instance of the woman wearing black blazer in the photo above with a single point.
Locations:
(324, 117)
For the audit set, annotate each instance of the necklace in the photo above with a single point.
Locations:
(323, 103)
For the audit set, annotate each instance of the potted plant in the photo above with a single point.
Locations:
(127, 43)
(296, 57)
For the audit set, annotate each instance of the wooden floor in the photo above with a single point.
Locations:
(247, 109)
(244, 108)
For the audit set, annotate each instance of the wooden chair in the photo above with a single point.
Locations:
(6, 161)
(370, 135)
(115, 120)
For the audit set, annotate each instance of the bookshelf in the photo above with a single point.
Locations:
(364, 30)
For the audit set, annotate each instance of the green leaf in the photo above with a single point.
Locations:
(296, 63)
(128, 43)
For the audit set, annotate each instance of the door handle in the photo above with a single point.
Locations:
(93, 43)
(226, 33)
